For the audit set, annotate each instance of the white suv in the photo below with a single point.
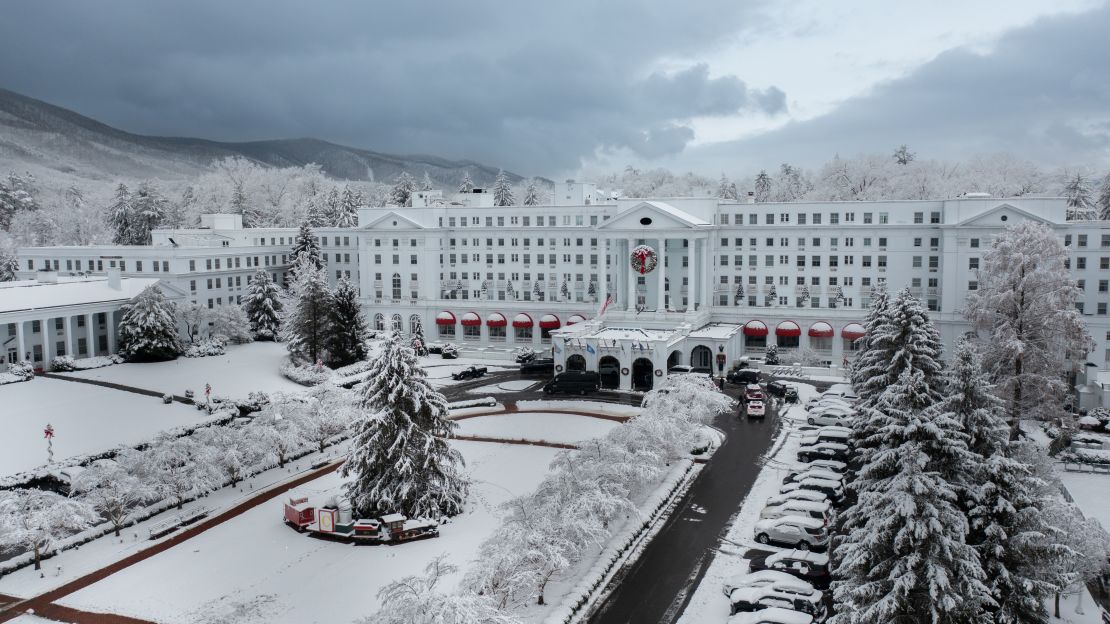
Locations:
(804, 533)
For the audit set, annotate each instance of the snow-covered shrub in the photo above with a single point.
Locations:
(802, 356)
(306, 375)
(62, 363)
(189, 394)
(35, 520)
(17, 372)
(167, 399)
(435, 348)
(771, 356)
(231, 323)
(148, 328)
(450, 351)
(205, 348)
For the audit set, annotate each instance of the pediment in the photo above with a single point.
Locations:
(651, 215)
(393, 220)
(1002, 215)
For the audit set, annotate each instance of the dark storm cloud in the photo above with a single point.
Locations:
(1042, 92)
(530, 86)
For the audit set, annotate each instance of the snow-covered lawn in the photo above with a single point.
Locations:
(242, 370)
(86, 419)
(516, 385)
(260, 570)
(1089, 491)
(565, 428)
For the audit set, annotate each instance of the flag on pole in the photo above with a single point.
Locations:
(605, 305)
(590, 348)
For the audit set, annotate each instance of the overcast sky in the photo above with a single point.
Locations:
(549, 88)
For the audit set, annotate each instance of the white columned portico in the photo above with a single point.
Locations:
(71, 336)
(690, 273)
(22, 340)
(603, 292)
(111, 331)
(627, 270)
(90, 336)
(661, 266)
(707, 274)
(47, 331)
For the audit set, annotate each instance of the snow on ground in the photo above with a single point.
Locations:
(565, 428)
(1089, 491)
(242, 370)
(86, 419)
(612, 409)
(262, 571)
(440, 370)
(516, 385)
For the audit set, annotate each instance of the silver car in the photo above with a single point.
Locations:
(804, 533)
(811, 509)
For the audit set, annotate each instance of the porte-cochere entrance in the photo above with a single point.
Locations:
(609, 368)
(576, 363)
(701, 357)
(643, 374)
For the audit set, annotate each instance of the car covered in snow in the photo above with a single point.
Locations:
(742, 376)
(752, 392)
(834, 490)
(835, 417)
(824, 450)
(806, 495)
(781, 581)
(817, 402)
(808, 471)
(791, 394)
(841, 435)
(801, 532)
(803, 564)
(756, 409)
(772, 615)
(750, 599)
(470, 372)
(829, 464)
(795, 507)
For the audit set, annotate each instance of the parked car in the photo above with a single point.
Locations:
(804, 564)
(791, 394)
(802, 532)
(781, 581)
(772, 615)
(824, 450)
(833, 417)
(470, 372)
(574, 382)
(830, 464)
(752, 599)
(538, 366)
(809, 471)
(827, 434)
(756, 409)
(742, 376)
(794, 507)
(842, 390)
(752, 392)
(827, 400)
(806, 495)
(525, 356)
(832, 489)
(776, 388)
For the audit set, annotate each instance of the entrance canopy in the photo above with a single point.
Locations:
(575, 318)
(445, 318)
(496, 320)
(755, 329)
(853, 331)
(522, 320)
(788, 329)
(471, 319)
(549, 321)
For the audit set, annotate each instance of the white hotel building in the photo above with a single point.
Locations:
(729, 278)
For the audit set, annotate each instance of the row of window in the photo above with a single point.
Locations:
(522, 220)
(817, 218)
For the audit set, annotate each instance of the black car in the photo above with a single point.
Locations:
(791, 394)
(574, 382)
(538, 366)
(776, 388)
(743, 376)
(470, 372)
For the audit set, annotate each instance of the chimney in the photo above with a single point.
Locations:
(113, 279)
(751, 197)
(47, 276)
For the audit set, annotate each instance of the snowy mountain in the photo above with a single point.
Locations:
(36, 135)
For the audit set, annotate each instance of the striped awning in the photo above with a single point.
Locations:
(496, 320)
(471, 319)
(445, 318)
(821, 329)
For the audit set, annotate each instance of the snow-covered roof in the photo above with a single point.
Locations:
(390, 518)
(32, 295)
(718, 331)
(681, 215)
(630, 333)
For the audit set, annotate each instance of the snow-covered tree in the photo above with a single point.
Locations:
(771, 355)
(9, 264)
(328, 411)
(738, 298)
(347, 330)
(148, 211)
(763, 185)
(903, 337)
(401, 193)
(305, 328)
(531, 194)
(726, 189)
(278, 428)
(230, 323)
(229, 451)
(564, 291)
(195, 319)
(1102, 204)
(263, 306)
(467, 184)
(318, 212)
(35, 520)
(347, 213)
(17, 195)
(903, 155)
(792, 185)
(426, 182)
(419, 342)
(502, 190)
(307, 245)
(904, 555)
(1084, 546)
(1025, 305)
(148, 327)
(400, 459)
(1081, 204)
(112, 492)
(119, 216)
(178, 468)
(418, 600)
(877, 313)
(537, 291)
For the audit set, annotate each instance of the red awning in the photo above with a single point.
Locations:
(523, 320)
(788, 328)
(550, 321)
(496, 320)
(575, 318)
(471, 319)
(755, 328)
(445, 318)
(821, 329)
(853, 331)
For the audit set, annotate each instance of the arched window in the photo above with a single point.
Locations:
(398, 323)
(379, 322)
(415, 324)
(396, 286)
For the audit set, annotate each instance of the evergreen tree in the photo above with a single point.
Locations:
(318, 212)
(771, 355)
(726, 189)
(564, 291)
(348, 209)
(332, 206)
(148, 327)
(347, 330)
(119, 216)
(17, 194)
(148, 210)
(263, 306)
(902, 338)
(419, 342)
(903, 155)
(1102, 204)
(401, 193)
(9, 264)
(305, 327)
(999, 494)
(426, 182)
(904, 557)
(400, 459)
(467, 184)
(306, 245)
(865, 359)
(762, 187)
(532, 194)
(1081, 205)
(502, 191)
(1026, 301)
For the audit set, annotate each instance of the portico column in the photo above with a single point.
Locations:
(631, 307)
(22, 340)
(689, 274)
(90, 336)
(47, 342)
(707, 274)
(71, 337)
(662, 268)
(603, 291)
(109, 328)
